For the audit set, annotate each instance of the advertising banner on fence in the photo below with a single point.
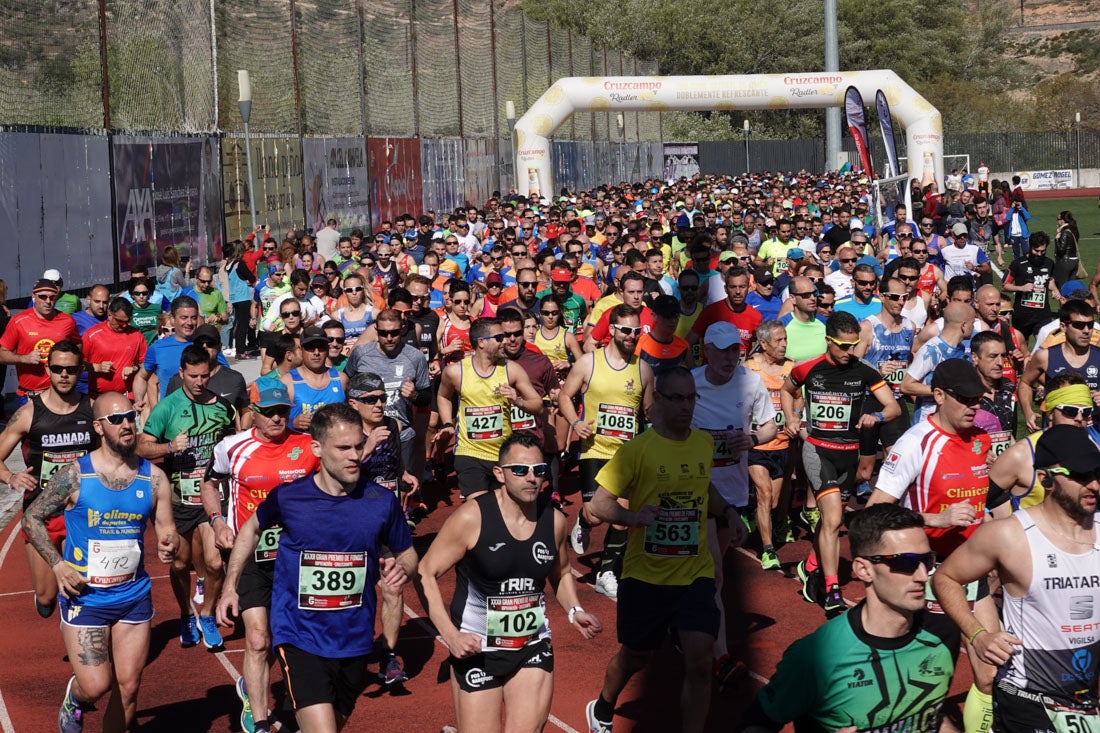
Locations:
(167, 193)
(277, 170)
(681, 159)
(336, 182)
(395, 183)
(1046, 180)
(55, 210)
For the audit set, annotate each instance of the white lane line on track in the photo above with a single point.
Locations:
(5, 719)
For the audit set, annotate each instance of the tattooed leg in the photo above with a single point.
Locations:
(130, 647)
(88, 648)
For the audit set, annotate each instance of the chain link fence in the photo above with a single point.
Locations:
(409, 68)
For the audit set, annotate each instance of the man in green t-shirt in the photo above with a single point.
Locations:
(212, 306)
(878, 666)
(805, 331)
(773, 252)
(183, 429)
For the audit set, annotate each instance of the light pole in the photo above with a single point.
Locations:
(748, 169)
(1077, 119)
(622, 135)
(510, 114)
(244, 104)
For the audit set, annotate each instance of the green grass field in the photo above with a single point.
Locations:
(1084, 210)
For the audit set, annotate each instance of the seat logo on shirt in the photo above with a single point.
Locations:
(1080, 607)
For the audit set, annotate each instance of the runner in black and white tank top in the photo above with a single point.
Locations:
(1057, 622)
(499, 584)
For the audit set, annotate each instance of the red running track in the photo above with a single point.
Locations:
(192, 689)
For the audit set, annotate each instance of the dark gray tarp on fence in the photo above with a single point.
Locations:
(727, 157)
(55, 209)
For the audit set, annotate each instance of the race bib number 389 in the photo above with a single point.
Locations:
(331, 581)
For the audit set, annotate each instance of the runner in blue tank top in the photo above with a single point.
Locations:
(314, 384)
(106, 604)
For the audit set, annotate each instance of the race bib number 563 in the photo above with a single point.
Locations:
(331, 581)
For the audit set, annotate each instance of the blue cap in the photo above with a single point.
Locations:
(271, 393)
(683, 221)
(795, 253)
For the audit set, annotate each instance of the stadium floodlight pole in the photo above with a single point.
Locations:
(1077, 119)
(510, 115)
(832, 63)
(244, 104)
(748, 168)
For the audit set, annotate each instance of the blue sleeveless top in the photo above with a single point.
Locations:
(105, 533)
(308, 400)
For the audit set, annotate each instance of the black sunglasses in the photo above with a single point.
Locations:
(62, 369)
(273, 411)
(388, 332)
(371, 399)
(498, 337)
(905, 563)
(291, 314)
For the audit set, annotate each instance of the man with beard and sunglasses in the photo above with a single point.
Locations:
(107, 496)
(247, 466)
(939, 468)
(614, 385)
(1046, 558)
(837, 677)
(1076, 354)
(479, 392)
(55, 426)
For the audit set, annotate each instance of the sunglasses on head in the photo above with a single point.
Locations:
(371, 399)
(273, 411)
(62, 369)
(520, 470)
(117, 418)
(1072, 411)
(905, 563)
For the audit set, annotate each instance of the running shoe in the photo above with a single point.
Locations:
(769, 560)
(70, 719)
(607, 584)
(834, 602)
(200, 591)
(579, 537)
(595, 725)
(45, 611)
(812, 517)
(189, 632)
(729, 672)
(393, 672)
(864, 489)
(812, 583)
(248, 724)
(211, 637)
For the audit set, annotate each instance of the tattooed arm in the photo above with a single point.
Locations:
(61, 491)
(168, 542)
(14, 433)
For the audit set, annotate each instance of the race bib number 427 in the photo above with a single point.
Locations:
(331, 581)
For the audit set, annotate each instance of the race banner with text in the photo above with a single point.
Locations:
(167, 193)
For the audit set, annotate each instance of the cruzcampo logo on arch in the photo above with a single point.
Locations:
(293, 455)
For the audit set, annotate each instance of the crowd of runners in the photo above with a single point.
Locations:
(698, 365)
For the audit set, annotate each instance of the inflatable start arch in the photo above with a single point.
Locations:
(921, 121)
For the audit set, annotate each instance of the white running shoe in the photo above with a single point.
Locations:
(579, 537)
(607, 584)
